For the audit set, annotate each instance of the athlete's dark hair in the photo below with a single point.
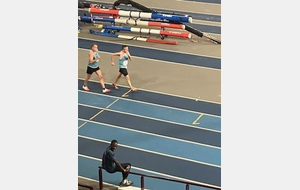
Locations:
(113, 142)
(93, 44)
(124, 46)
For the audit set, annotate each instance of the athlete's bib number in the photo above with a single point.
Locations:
(125, 63)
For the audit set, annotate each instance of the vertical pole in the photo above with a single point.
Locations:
(142, 183)
(187, 187)
(100, 179)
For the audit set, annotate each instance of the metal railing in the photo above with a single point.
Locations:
(86, 186)
(156, 177)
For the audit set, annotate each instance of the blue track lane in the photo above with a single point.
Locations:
(153, 111)
(153, 126)
(160, 99)
(80, 122)
(95, 100)
(153, 143)
(171, 166)
(88, 167)
(86, 112)
(175, 57)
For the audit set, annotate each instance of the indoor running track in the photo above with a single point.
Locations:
(159, 134)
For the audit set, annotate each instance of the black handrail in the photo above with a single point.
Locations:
(156, 177)
(86, 186)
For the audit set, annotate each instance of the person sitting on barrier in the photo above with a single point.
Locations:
(111, 165)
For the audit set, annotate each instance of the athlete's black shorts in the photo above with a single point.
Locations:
(123, 71)
(90, 70)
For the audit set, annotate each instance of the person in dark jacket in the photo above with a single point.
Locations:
(112, 165)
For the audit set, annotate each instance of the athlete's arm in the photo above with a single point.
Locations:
(118, 163)
(112, 57)
(92, 58)
(129, 55)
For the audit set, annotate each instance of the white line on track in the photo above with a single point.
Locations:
(174, 63)
(164, 94)
(152, 152)
(148, 133)
(152, 118)
(169, 107)
(208, 23)
(184, 1)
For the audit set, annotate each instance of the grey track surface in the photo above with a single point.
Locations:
(154, 75)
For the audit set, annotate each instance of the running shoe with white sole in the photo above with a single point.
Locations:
(106, 90)
(126, 183)
(85, 88)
